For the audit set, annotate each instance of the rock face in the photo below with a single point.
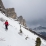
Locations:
(11, 13)
(22, 21)
(2, 8)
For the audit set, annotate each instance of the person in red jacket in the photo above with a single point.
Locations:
(6, 24)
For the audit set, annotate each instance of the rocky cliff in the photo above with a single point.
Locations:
(2, 8)
(11, 13)
(22, 21)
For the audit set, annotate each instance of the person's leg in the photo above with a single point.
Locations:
(6, 27)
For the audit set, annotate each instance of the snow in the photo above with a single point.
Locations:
(11, 37)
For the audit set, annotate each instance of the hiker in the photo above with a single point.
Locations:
(6, 25)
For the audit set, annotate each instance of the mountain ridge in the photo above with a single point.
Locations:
(40, 28)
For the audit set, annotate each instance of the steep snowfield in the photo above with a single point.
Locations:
(11, 36)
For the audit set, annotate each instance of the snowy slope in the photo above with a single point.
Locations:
(11, 36)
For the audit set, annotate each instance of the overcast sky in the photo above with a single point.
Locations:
(30, 9)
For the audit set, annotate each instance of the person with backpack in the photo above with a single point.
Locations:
(6, 25)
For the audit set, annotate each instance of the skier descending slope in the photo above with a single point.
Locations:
(6, 25)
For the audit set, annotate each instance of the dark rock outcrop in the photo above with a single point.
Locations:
(2, 8)
(11, 13)
(22, 21)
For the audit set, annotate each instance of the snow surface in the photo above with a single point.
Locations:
(11, 37)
